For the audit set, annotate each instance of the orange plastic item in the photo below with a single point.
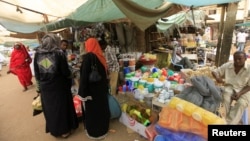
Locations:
(177, 121)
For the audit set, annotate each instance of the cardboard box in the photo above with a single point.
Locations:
(133, 124)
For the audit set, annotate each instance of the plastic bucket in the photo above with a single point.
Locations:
(132, 68)
(125, 62)
(150, 87)
(131, 62)
(126, 70)
(142, 82)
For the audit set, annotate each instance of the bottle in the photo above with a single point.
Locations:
(145, 121)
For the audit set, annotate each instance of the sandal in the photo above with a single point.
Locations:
(31, 83)
(65, 135)
(25, 89)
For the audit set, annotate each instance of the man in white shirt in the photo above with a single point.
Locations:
(236, 80)
(184, 61)
(241, 40)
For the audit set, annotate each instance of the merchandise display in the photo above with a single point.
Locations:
(175, 120)
(195, 111)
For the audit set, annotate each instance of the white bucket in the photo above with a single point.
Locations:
(132, 68)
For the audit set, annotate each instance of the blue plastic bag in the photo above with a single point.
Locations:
(169, 135)
(114, 107)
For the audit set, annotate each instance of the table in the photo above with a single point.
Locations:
(192, 57)
(190, 49)
(163, 50)
(157, 106)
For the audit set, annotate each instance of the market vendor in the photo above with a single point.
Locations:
(64, 45)
(184, 61)
(236, 79)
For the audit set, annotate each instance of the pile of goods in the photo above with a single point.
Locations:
(147, 84)
(181, 120)
(204, 71)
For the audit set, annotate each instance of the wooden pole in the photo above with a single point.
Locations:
(192, 10)
(221, 28)
(228, 32)
(140, 40)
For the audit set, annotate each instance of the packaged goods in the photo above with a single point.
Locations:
(169, 135)
(198, 113)
(177, 121)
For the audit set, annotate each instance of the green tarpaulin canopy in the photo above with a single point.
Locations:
(90, 11)
(243, 24)
(182, 18)
(197, 3)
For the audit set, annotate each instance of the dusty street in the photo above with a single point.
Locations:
(18, 124)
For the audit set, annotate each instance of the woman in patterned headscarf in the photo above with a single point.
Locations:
(20, 65)
(96, 113)
(53, 74)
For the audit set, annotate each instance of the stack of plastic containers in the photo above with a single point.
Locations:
(184, 121)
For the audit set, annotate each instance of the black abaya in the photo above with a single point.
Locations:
(96, 113)
(53, 74)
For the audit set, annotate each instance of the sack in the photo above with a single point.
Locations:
(114, 107)
(37, 104)
(94, 75)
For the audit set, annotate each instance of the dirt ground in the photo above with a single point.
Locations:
(18, 124)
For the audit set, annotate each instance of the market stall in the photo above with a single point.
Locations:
(144, 90)
(151, 91)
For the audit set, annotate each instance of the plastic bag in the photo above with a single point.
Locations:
(36, 103)
(78, 105)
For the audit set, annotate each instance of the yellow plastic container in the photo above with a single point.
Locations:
(188, 109)
(198, 113)
(173, 102)
(150, 80)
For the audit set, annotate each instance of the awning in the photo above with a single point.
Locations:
(182, 18)
(37, 11)
(18, 26)
(198, 3)
(243, 24)
(142, 13)
(27, 16)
